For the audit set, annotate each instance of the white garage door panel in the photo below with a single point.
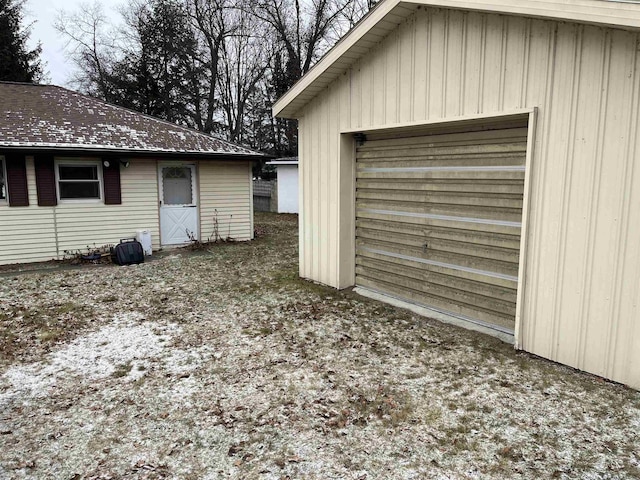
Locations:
(438, 220)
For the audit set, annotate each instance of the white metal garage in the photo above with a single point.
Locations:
(414, 75)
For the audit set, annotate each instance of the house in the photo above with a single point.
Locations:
(287, 174)
(480, 159)
(76, 172)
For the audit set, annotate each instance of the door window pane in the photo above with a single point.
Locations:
(176, 186)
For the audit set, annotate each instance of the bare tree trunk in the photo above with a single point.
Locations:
(209, 18)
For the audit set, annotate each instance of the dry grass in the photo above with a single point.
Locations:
(28, 331)
(222, 363)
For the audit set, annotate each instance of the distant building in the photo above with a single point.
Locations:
(287, 170)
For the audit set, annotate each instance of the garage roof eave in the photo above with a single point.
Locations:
(348, 50)
(388, 14)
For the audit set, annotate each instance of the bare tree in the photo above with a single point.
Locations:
(216, 65)
(91, 44)
(245, 57)
(210, 19)
(350, 15)
(151, 63)
(303, 27)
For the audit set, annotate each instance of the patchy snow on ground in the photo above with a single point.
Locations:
(122, 344)
(221, 363)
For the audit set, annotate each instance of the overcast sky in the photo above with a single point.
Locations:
(43, 14)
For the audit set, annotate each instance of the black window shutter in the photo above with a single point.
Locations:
(17, 180)
(111, 179)
(46, 181)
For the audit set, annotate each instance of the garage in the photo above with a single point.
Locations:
(438, 220)
(477, 162)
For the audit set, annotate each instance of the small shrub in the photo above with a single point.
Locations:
(215, 237)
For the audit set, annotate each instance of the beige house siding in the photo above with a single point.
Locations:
(225, 194)
(82, 224)
(583, 258)
(27, 234)
(31, 234)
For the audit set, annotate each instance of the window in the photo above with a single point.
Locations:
(79, 180)
(3, 181)
(177, 185)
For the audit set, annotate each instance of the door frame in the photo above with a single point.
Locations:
(195, 193)
(347, 197)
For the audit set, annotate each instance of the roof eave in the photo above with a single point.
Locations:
(284, 107)
(132, 153)
(625, 15)
(276, 162)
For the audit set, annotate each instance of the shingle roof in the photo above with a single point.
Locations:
(52, 117)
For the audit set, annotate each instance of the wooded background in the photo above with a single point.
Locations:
(214, 65)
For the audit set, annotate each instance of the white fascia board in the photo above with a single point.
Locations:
(275, 162)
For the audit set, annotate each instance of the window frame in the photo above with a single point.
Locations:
(82, 162)
(3, 170)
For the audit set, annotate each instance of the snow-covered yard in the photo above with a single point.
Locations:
(223, 364)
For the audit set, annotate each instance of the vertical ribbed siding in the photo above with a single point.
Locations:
(582, 284)
(303, 189)
(225, 194)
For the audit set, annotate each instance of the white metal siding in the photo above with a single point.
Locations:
(225, 194)
(287, 188)
(583, 278)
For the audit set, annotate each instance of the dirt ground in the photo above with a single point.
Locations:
(221, 363)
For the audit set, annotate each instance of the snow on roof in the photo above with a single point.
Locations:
(52, 117)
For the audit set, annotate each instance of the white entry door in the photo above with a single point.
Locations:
(178, 203)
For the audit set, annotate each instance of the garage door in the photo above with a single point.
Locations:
(438, 221)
